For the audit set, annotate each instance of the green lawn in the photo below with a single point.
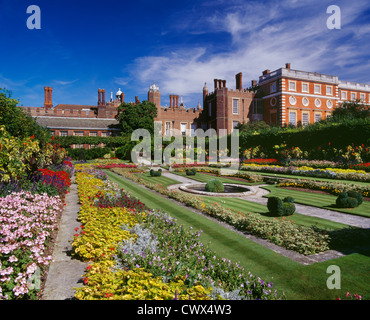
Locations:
(325, 201)
(296, 280)
(202, 177)
(157, 180)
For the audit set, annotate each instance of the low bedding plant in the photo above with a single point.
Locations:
(283, 232)
(29, 213)
(26, 223)
(331, 173)
(334, 188)
(137, 253)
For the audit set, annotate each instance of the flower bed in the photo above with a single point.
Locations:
(146, 255)
(331, 173)
(285, 233)
(329, 187)
(26, 223)
(116, 165)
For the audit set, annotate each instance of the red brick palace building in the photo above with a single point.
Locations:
(284, 96)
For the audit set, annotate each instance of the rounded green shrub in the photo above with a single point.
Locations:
(349, 199)
(358, 196)
(214, 185)
(191, 172)
(280, 208)
(288, 199)
(288, 208)
(275, 206)
(154, 173)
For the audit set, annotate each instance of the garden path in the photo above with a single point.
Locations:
(352, 220)
(65, 273)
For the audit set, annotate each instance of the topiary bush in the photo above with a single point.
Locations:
(280, 208)
(214, 185)
(349, 199)
(275, 206)
(358, 196)
(155, 173)
(191, 172)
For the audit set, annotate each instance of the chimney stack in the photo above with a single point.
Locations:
(103, 99)
(48, 104)
(266, 72)
(239, 81)
(99, 97)
(287, 66)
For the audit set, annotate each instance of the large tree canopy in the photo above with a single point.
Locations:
(17, 122)
(136, 116)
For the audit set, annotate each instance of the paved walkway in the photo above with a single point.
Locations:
(352, 220)
(65, 272)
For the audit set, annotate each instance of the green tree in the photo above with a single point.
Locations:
(136, 116)
(351, 110)
(17, 122)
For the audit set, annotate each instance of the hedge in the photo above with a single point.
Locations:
(320, 134)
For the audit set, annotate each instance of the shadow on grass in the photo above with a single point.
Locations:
(349, 240)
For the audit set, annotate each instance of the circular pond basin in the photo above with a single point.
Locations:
(230, 190)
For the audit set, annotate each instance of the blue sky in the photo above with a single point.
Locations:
(86, 45)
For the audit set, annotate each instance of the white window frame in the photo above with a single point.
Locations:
(317, 86)
(167, 128)
(353, 93)
(317, 114)
(318, 103)
(295, 117)
(308, 87)
(78, 134)
(308, 118)
(331, 88)
(362, 97)
(63, 133)
(343, 95)
(294, 83)
(237, 100)
(181, 127)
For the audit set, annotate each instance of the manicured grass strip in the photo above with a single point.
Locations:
(165, 181)
(296, 280)
(246, 206)
(325, 201)
(204, 178)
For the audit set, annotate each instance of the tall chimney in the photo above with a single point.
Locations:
(103, 99)
(216, 81)
(239, 81)
(287, 65)
(48, 104)
(99, 97)
(122, 97)
(171, 99)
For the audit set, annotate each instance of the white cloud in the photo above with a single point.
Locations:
(262, 36)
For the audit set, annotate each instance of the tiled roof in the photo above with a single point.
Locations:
(76, 123)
